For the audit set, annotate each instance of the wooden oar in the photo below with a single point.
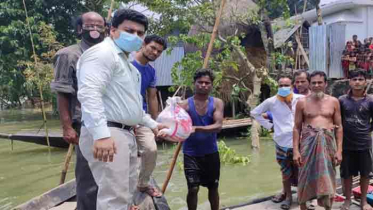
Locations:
(205, 64)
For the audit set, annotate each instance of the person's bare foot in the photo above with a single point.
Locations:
(346, 205)
(152, 191)
(366, 206)
(135, 208)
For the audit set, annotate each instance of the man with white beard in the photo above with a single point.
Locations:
(317, 143)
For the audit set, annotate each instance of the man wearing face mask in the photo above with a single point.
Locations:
(91, 29)
(282, 107)
(109, 93)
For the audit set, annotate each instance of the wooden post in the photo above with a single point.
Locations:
(302, 50)
(205, 64)
(318, 13)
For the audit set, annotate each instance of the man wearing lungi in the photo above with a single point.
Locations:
(318, 124)
(282, 107)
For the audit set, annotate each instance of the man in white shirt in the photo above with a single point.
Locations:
(282, 106)
(109, 93)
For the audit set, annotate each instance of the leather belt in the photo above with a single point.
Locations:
(118, 125)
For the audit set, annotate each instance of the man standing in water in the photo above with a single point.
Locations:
(357, 112)
(91, 28)
(282, 107)
(201, 156)
(152, 48)
(317, 122)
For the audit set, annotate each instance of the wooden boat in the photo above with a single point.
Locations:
(56, 139)
(63, 197)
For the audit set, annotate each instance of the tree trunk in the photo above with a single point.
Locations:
(267, 38)
(318, 13)
(253, 102)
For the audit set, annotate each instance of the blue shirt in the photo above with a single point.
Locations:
(148, 80)
(199, 143)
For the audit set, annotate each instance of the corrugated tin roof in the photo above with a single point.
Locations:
(282, 35)
(164, 64)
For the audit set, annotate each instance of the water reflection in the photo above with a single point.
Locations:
(29, 170)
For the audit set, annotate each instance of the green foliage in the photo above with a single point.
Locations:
(182, 73)
(264, 132)
(281, 58)
(41, 74)
(46, 18)
(229, 156)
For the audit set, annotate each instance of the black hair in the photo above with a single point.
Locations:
(357, 73)
(285, 76)
(129, 14)
(300, 72)
(157, 39)
(319, 73)
(204, 72)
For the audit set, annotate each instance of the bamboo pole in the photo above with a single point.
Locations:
(37, 73)
(110, 10)
(67, 162)
(214, 32)
(205, 64)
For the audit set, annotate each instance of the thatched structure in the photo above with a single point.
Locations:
(231, 25)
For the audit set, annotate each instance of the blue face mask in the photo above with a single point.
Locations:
(128, 42)
(284, 91)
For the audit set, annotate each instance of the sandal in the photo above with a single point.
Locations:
(151, 191)
(286, 205)
(278, 198)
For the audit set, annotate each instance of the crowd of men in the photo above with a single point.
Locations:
(108, 106)
(106, 97)
(315, 132)
(357, 55)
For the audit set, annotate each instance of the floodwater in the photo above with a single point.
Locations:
(29, 169)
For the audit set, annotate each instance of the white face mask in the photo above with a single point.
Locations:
(128, 42)
(284, 91)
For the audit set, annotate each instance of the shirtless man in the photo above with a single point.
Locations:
(318, 122)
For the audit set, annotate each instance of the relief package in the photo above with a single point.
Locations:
(177, 119)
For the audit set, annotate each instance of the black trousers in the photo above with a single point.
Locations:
(86, 187)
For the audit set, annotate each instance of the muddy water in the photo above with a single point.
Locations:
(29, 170)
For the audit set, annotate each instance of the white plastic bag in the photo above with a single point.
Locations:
(177, 119)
